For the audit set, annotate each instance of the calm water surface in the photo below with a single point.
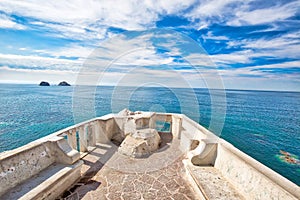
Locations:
(260, 123)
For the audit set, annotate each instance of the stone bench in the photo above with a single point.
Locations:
(212, 184)
(43, 169)
(221, 171)
(209, 180)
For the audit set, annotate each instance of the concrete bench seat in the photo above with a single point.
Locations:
(45, 184)
(43, 169)
(220, 171)
(212, 184)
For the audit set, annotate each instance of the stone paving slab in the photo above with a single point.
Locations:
(113, 176)
(111, 184)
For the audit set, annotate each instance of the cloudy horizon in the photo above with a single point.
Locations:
(250, 44)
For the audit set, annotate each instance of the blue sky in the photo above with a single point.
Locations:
(245, 44)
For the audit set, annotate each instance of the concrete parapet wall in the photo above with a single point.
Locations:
(251, 178)
(21, 164)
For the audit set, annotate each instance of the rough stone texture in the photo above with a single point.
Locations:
(253, 183)
(137, 120)
(108, 183)
(141, 143)
(30, 171)
(213, 184)
(111, 175)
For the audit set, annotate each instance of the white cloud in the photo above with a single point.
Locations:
(211, 11)
(13, 75)
(211, 8)
(23, 49)
(9, 23)
(210, 36)
(233, 58)
(201, 60)
(240, 13)
(89, 19)
(38, 62)
(267, 43)
(265, 71)
(143, 57)
(284, 65)
(168, 7)
(72, 50)
(284, 46)
(265, 15)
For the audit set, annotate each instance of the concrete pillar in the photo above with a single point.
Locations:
(152, 121)
(100, 131)
(82, 139)
(72, 139)
(91, 135)
(176, 126)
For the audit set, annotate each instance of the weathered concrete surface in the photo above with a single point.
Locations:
(48, 184)
(250, 178)
(212, 183)
(29, 172)
(136, 120)
(107, 172)
(141, 143)
(253, 179)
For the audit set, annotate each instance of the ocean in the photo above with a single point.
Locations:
(263, 124)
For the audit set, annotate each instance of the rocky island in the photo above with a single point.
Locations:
(44, 83)
(64, 83)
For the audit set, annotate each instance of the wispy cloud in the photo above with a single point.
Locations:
(72, 50)
(266, 71)
(233, 58)
(246, 39)
(8, 22)
(250, 16)
(39, 63)
(91, 19)
(283, 46)
(240, 13)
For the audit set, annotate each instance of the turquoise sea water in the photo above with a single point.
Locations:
(260, 123)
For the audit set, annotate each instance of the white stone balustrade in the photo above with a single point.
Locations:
(252, 179)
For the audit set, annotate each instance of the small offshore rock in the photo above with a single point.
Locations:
(64, 83)
(44, 83)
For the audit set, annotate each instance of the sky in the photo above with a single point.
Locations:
(232, 44)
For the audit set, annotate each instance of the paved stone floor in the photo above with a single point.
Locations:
(112, 176)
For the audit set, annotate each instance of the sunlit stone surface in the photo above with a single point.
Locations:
(141, 143)
(122, 156)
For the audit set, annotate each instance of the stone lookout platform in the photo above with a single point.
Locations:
(137, 155)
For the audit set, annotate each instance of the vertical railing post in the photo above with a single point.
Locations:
(176, 125)
(72, 140)
(101, 131)
(152, 121)
(91, 134)
(82, 139)
(97, 130)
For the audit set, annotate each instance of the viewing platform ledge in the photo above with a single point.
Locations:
(84, 161)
